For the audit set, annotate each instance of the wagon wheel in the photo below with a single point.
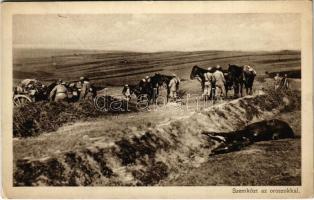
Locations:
(20, 100)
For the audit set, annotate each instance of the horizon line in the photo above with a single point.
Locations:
(134, 51)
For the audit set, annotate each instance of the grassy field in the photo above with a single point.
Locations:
(252, 166)
(117, 68)
(162, 147)
(153, 147)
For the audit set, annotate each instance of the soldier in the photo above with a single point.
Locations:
(277, 81)
(126, 92)
(85, 89)
(209, 84)
(284, 84)
(73, 94)
(143, 84)
(220, 82)
(174, 87)
(59, 92)
(79, 84)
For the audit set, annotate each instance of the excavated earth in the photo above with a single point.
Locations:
(148, 155)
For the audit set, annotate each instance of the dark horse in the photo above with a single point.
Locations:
(198, 72)
(240, 77)
(159, 80)
(249, 77)
(236, 76)
(151, 89)
(260, 131)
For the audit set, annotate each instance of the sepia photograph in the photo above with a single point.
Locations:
(158, 99)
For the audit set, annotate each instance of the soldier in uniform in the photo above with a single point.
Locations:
(209, 84)
(174, 87)
(59, 92)
(220, 82)
(79, 84)
(284, 84)
(85, 90)
(143, 84)
(277, 81)
(126, 92)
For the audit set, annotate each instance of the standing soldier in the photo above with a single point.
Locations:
(59, 92)
(85, 90)
(277, 81)
(79, 84)
(149, 88)
(284, 82)
(143, 84)
(220, 82)
(174, 86)
(209, 84)
(126, 92)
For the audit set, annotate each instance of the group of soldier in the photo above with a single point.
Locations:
(215, 82)
(58, 91)
(74, 91)
(214, 85)
(281, 82)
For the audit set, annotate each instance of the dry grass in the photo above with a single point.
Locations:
(87, 147)
(39, 117)
(107, 68)
(262, 164)
(159, 148)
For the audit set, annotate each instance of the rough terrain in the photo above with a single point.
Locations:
(75, 144)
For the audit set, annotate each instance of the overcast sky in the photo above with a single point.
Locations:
(159, 32)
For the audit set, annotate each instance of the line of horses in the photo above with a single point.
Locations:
(236, 77)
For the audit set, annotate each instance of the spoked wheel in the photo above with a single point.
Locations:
(20, 100)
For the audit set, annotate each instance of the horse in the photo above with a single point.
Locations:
(159, 80)
(249, 77)
(241, 77)
(151, 88)
(260, 131)
(236, 76)
(198, 72)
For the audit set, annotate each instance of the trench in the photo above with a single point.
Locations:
(146, 157)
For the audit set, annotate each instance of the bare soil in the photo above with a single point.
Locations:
(75, 145)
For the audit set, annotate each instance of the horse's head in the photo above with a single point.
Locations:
(235, 70)
(193, 72)
(156, 79)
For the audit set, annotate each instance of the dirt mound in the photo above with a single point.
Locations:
(35, 118)
(148, 156)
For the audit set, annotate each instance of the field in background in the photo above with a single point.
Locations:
(117, 68)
